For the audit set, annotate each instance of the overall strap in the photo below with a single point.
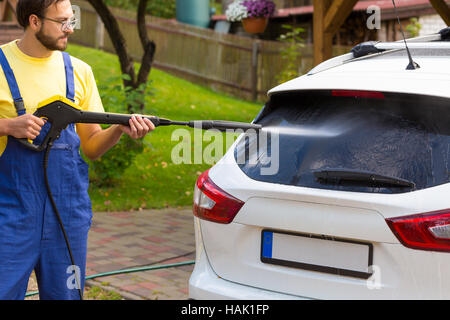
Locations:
(70, 80)
(13, 87)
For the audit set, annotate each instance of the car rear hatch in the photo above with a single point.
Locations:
(337, 164)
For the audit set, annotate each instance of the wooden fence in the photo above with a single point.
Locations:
(241, 66)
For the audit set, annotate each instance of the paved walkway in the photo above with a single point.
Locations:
(122, 240)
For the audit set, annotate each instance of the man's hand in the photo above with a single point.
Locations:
(25, 126)
(138, 128)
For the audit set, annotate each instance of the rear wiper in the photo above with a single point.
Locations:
(361, 177)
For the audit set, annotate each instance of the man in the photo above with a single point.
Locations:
(34, 69)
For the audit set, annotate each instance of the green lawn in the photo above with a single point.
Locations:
(154, 181)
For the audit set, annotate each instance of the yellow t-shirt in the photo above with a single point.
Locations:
(40, 79)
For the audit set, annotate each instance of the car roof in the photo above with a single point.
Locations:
(382, 71)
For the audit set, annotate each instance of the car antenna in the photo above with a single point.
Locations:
(412, 65)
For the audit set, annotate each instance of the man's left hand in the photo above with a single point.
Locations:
(138, 128)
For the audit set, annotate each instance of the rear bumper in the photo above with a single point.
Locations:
(204, 284)
(399, 273)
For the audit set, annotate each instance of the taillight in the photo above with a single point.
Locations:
(212, 203)
(428, 231)
(357, 94)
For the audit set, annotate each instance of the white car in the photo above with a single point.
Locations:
(345, 194)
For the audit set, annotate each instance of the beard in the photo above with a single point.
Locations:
(51, 43)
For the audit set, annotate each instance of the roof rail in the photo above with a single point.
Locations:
(445, 34)
(372, 48)
(383, 46)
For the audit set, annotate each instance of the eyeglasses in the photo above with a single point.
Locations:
(68, 24)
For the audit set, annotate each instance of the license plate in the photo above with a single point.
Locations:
(314, 253)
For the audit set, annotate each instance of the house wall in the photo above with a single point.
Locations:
(292, 3)
(431, 24)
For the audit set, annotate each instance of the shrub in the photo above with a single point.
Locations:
(414, 27)
(110, 167)
(291, 54)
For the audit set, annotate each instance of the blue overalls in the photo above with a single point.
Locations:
(30, 236)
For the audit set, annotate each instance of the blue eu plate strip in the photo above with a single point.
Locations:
(267, 244)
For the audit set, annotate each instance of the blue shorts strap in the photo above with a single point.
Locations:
(70, 80)
(13, 87)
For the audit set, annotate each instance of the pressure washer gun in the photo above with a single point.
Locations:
(61, 112)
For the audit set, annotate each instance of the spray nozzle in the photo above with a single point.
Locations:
(223, 125)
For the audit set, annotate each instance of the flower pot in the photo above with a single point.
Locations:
(255, 25)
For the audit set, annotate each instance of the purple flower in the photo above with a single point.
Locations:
(259, 8)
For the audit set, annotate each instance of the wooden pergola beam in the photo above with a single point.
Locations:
(328, 17)
(337, 13)
(442, 8)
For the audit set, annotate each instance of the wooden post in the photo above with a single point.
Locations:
(322, 40)
(254, 79)
(442, 8)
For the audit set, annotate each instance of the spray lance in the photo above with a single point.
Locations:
(60, 112)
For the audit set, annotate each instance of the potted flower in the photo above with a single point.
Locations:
(254, 14)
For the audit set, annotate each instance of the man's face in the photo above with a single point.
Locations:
(51, 34)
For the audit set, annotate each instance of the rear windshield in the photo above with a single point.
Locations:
(397, 136)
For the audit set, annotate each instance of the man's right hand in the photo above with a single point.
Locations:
(25, 126)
